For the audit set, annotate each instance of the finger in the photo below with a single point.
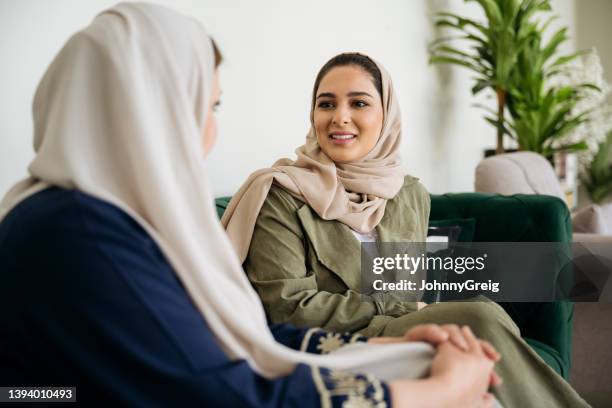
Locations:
(455, 336)
(490, 351)
(386, 340)
(472, 341)
(495, 380)
(431, 333)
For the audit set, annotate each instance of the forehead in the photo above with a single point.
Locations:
(351, 78)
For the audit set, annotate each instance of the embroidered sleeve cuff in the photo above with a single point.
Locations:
(318, 341)
(344, 389)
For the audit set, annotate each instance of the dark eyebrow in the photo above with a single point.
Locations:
(355, 93)
(359, 94)
(326, 95)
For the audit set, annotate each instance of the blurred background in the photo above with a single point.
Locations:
(273, 50)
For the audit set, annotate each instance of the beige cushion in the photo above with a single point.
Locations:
(517, 173)
(594, 219)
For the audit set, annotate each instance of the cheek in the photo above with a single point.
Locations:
(370, 124)
(321, 123)
(210, 133)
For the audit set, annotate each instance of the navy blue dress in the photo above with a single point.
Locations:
(88, 300)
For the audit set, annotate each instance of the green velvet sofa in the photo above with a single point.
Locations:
(546, 327)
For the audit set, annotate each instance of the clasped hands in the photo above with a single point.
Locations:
(461, 372)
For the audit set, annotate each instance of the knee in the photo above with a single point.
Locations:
(485, 318)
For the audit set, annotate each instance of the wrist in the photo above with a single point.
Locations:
(443, 391)
(424, 393)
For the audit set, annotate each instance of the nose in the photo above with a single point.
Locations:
(342, 116)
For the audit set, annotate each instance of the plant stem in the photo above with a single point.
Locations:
(501, 104)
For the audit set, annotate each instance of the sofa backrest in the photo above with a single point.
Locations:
(517, 218)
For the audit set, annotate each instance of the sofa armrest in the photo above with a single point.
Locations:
(587, 238)
(522, 218)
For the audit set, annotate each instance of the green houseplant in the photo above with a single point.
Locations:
(543, 110)
(494, 46)
(509, 57)
(597, 176)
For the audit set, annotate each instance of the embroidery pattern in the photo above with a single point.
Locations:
(329, 343)
(318, 341)
(341, 388)
(348, 390)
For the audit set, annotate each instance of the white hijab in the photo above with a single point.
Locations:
(119, 115)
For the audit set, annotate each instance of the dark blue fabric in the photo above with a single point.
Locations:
(88, 300)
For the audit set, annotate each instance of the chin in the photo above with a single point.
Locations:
(341, 155)
(335, 156)
(342, 159)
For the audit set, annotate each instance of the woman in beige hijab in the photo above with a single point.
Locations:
(297, 227)
(117, 277)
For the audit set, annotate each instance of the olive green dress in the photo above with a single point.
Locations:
(307, 272)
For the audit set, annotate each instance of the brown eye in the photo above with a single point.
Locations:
(360, 104)
(325, 105)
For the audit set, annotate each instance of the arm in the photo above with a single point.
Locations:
(313, 340)
(419, 199)
(276, 266)
(99, 308)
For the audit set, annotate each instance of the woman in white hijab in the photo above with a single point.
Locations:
(117, 277)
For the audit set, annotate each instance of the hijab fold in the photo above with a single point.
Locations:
(119, 115)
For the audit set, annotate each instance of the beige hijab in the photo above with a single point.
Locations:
(119, 115)
(354, 193)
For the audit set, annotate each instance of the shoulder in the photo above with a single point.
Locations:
(413, 189)
(413, 196)
(280, 200)
(69, 216)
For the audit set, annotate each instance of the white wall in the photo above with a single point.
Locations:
(273, 50)
(593, 30)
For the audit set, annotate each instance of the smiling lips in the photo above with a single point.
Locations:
(341, 138)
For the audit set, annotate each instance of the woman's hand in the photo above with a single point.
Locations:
(468, 373)
(438, 334)
(459, 378)
(429, 333)
(435, 334)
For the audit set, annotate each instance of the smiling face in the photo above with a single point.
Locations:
(348, 114)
